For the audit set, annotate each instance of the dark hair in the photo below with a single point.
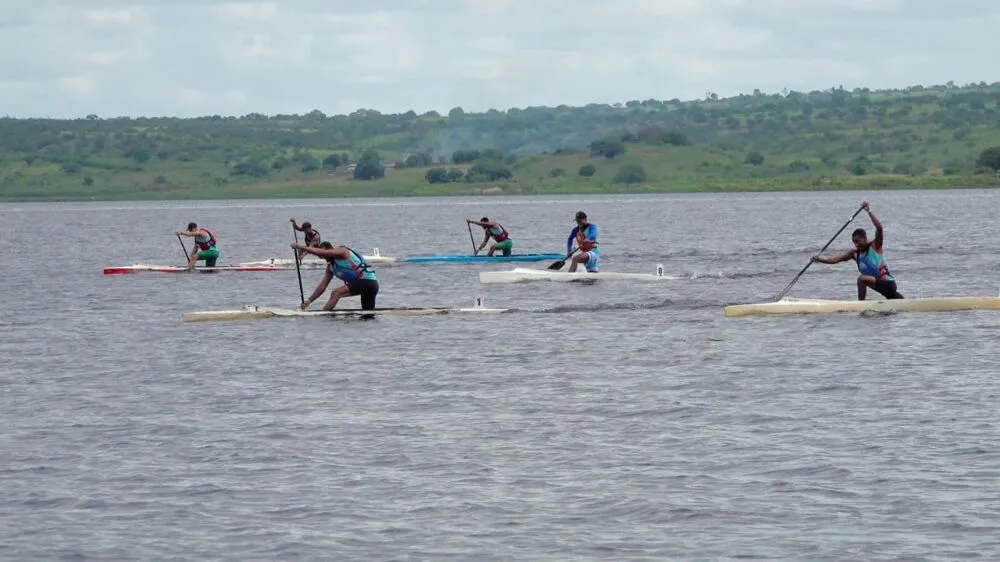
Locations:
(326, 245)
(307, 225)
(484, 219)
(580, 215)
(858, 232)
(192, 226)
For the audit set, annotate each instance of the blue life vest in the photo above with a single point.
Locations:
(351, 269)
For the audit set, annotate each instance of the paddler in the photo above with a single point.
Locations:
(348, 266)
(496, 231)
(311, 235)
(871, 263)
(205, 247)
(584, 235)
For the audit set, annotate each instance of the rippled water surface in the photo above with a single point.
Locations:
(606, 421)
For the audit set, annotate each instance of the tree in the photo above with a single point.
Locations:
(989, 159)
(332, 161)
(558, 172)
(72, 168)
(587, 170)
(630, 173)
(608, 148)
(465, 156)
(369, 166)
(436, 175)
(754, 158)
(418, 160)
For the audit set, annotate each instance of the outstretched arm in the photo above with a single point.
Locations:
(193, 233)
(848, 255)
(486, 239)
(320, 289)
(296, 226)
(341, 253)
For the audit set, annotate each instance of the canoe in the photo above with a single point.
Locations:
(483, 258)
(253, 312)
(818, 306)
(147, 268)
(525, 275)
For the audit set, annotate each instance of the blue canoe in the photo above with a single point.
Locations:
(485, 258)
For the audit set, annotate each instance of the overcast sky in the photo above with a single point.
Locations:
(69, 58)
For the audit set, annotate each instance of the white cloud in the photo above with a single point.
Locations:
(190, 57)
(78, 86)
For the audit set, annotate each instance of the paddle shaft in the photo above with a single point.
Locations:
(475, 250)
(183, 249)
(298, 269)
(789, 286)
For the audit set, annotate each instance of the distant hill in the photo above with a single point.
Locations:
(925, 136)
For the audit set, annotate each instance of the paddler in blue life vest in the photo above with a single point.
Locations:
(348, 266)
(871, 263)
(495, 230)
(584, 235)
(205, 247)
(310, 234)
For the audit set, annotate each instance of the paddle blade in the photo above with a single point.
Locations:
(558, 265)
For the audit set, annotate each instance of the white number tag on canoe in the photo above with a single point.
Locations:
(659, 270)
(376, 253)
(478, 303)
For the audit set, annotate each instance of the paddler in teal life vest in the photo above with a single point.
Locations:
(348, 266)
(871, 263)
(584, 235)
(205, 247)
(310, 234)
(497, 232)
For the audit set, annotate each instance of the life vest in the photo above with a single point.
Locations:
(870, 262)
(351, 269)
(206, 245)
(501, 236)
(585, 245)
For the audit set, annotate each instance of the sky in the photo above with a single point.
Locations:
(185, 58)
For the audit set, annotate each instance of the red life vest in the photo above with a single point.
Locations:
(504, 235)
(206, 245)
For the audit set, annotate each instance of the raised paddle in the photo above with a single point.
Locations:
(559, 264)
(475, 250)
(298, 269)
(789, 286)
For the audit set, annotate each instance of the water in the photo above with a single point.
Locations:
(612, 421)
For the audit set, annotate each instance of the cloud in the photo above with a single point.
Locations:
(69, 58)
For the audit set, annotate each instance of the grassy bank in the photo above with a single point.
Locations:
(917, 137)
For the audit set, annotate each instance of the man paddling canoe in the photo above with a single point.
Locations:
(310, 234)
(584, 234)
(871, 264)
(348, 266)
(204, 246)
(497, 232)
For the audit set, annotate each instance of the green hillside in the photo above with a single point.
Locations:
(836, 138)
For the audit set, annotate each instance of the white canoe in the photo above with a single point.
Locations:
(253, 312)
(815, 306)
(525, 275)
(310, 262)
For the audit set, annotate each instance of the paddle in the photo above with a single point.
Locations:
(298, 269)
(183, 249)
(559, 264)
(475, 250)
(789, 286)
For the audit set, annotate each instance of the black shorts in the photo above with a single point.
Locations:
(367, 288)
(887, 289)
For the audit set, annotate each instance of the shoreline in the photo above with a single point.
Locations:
(359, 189)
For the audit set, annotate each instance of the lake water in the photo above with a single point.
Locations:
(608, 421)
